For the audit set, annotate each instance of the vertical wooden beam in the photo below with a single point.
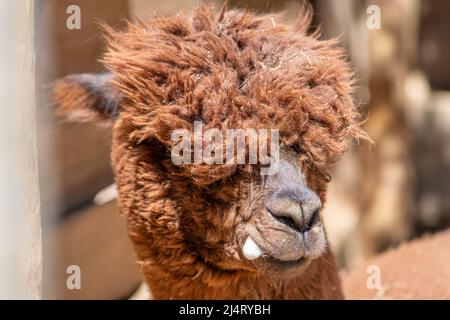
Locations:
(20, 222)
(74, 159)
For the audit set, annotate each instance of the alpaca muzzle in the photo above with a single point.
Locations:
(288, 232)
(296, 208)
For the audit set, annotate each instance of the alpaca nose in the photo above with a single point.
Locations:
(298, 209)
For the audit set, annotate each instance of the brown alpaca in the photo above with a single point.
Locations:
(415, 270)
(189, 223)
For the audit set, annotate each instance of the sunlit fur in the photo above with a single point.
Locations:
(230, 70)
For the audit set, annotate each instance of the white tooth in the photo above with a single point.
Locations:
(251, 250)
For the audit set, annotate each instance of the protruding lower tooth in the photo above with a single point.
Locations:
(251, 250)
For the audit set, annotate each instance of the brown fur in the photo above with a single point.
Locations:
(415, 270)
(232, 70)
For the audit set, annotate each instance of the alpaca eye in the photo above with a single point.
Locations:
(310, 84)
(296, 149)
(214, 185)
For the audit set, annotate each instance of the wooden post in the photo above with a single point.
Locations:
(20, 223)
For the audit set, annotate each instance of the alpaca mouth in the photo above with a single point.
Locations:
(268, 261)
(287, 263)
(281, 250)
(253, 251)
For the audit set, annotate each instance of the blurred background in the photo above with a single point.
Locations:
(381, 194)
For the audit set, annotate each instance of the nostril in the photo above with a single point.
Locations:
(284, 220)
(302, 224)
(313, 220)
(298, 208)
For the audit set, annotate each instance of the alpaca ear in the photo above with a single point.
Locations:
(89, 97)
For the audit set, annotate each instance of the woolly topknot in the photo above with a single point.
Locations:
(234, 70)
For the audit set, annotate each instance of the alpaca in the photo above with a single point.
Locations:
(415, 270)
(223, 231)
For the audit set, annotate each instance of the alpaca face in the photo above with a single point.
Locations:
(257, 224)
(284, 231)
(230, 71)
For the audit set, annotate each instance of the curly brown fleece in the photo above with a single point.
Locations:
(230, 70)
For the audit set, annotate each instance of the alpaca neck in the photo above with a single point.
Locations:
(319, 281)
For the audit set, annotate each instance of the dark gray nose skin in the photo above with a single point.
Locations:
(289, 199)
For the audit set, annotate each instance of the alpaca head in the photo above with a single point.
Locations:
(234, 70)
